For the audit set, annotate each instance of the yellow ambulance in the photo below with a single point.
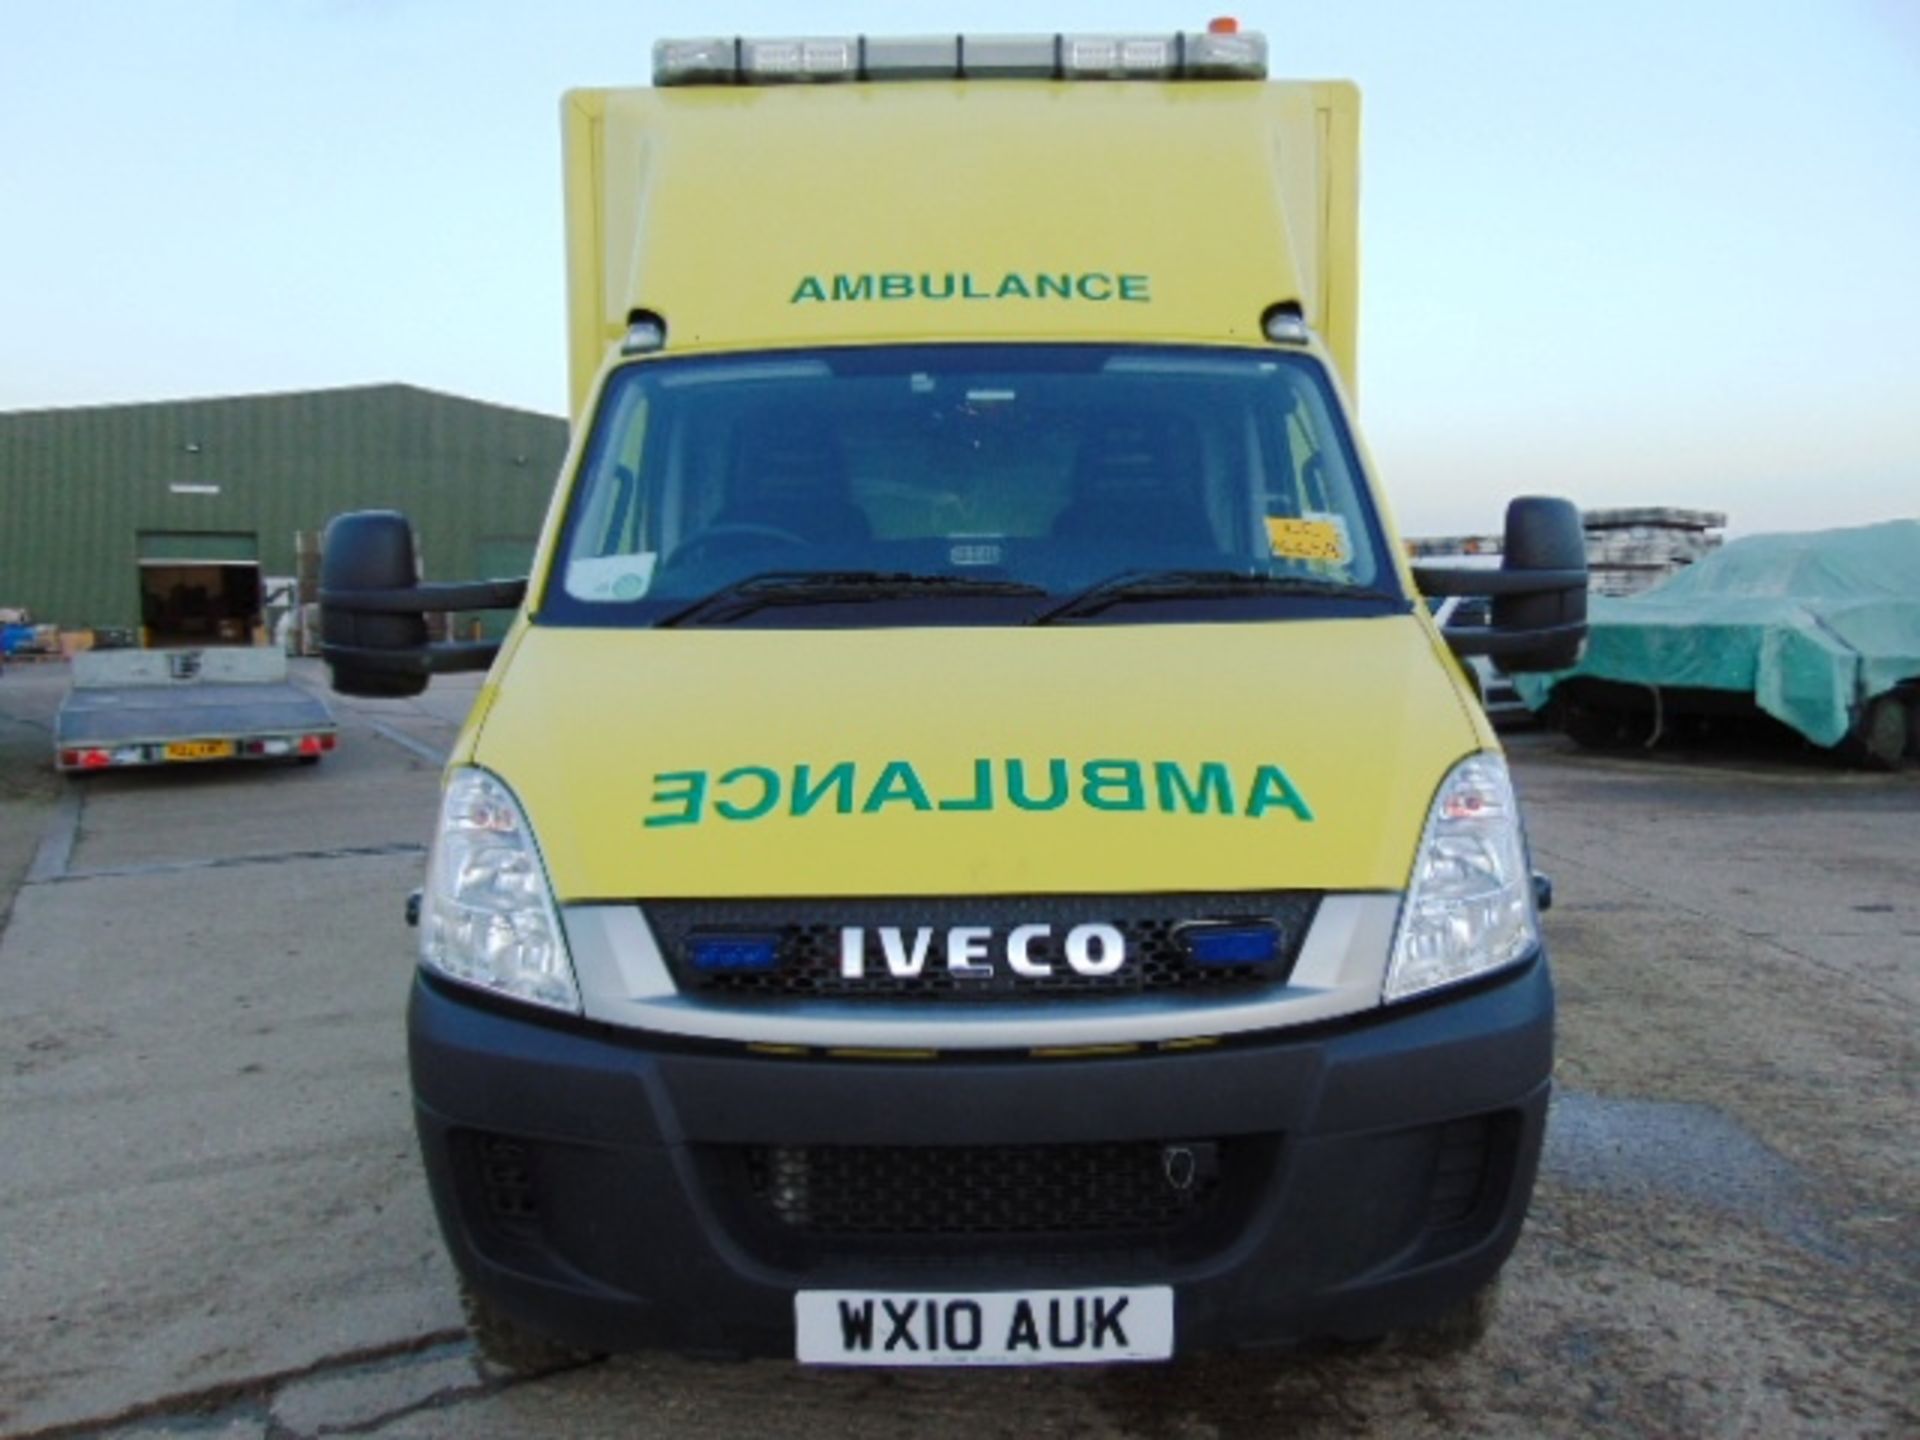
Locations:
(970, 851)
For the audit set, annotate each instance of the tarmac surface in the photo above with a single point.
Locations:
(212, 1221)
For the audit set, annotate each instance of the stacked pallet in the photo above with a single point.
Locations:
(1628, 550)
(1631, 550)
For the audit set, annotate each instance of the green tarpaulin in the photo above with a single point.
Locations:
(1812, 626)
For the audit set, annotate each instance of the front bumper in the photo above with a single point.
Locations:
(585, 1179)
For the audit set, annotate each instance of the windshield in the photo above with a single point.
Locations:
(967, 484)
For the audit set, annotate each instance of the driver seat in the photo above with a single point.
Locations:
(789, 472)
(1137, 479)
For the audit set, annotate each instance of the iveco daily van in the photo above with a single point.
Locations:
(970, 850)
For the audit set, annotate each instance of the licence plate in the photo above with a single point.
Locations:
(200, 750)
(1008, 1327)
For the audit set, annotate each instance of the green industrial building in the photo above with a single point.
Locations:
(180, 516)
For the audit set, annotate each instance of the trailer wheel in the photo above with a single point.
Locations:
(1880, 740)
(507, 1344)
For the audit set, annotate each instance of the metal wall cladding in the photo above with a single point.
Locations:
(78, 487)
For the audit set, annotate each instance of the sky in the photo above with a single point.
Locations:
(1629, 252)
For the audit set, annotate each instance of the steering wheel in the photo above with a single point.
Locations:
(722, 536)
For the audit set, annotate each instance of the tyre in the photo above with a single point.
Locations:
(1596, 728)
(1881, 740)
(1462, 1328)
(506, 1344)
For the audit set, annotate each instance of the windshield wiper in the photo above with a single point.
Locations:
(831, 587)
(1132, 585)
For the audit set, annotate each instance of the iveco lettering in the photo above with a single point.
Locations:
(1091, 950)
(972, 849)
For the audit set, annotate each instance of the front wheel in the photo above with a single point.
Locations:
(510, 1346)
(1460, 1329)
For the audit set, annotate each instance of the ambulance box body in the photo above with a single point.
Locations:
(971, 850)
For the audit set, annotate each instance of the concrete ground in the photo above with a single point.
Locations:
(212, 1222)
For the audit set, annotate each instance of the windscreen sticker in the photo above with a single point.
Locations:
(1309, 537)
(611, 577)
(852, 788)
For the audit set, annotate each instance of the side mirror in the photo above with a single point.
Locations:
(373, 609)
(1539, 619)
(370, 551)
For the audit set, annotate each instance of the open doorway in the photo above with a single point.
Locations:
(200, 603)
(200, 588)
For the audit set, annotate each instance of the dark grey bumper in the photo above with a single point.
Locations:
(586, 1184)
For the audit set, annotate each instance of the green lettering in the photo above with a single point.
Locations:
(853, 287)
(1213, 790)
(1013, 286)
(896, 287)
(897, 782)
(1056, 779)
(769, 793)
(970, 291)
(806, 794)
(1095, 286)
(982, 797)
(1059, 286)
(1271, 789)
(689, 792)
(945, 293)
(808, 289)
(1134, 287)
(1101, 777)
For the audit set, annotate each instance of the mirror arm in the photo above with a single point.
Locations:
(450, 658)
(1447, 580)
(1484, 640)
(417, 599)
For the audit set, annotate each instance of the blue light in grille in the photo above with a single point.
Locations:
(734, 952)
(1251, 944)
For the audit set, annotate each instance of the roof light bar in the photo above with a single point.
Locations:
(1225, 55)
(1119, 57)
(762, 61)
(1004, 57)
(931, 57)
(696, 62)
(1213, 54)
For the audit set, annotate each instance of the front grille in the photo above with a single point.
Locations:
(1084, 1190)
(806, 937)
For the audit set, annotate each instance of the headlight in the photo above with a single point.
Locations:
(1469, 907)
(487, 918)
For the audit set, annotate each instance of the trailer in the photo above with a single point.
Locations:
(187, 706)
